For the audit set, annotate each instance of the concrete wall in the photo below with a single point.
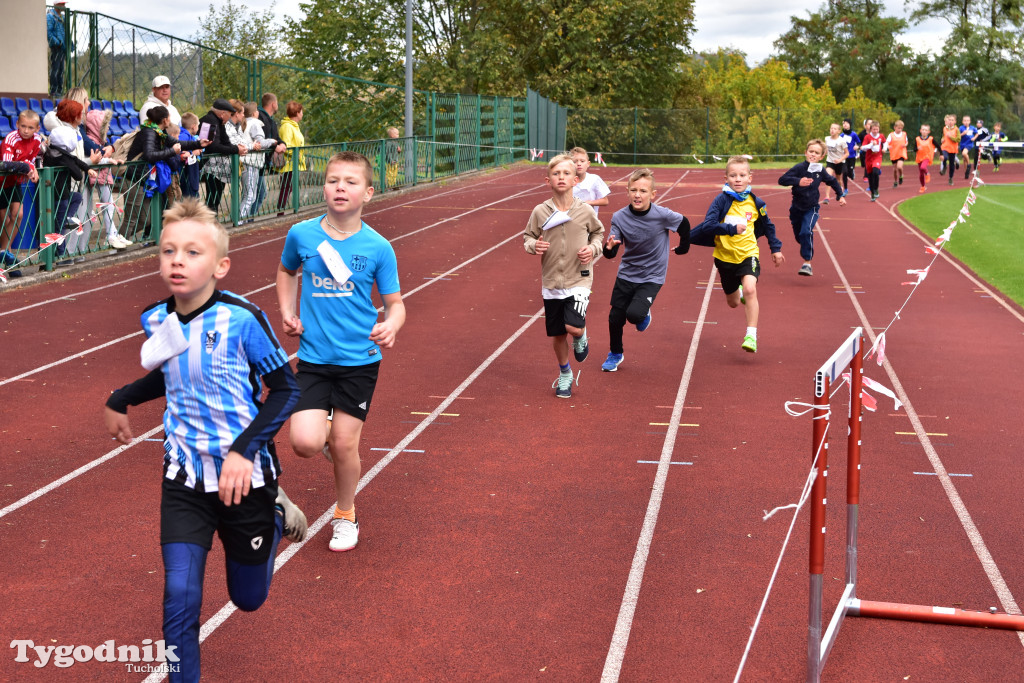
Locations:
(23, 52)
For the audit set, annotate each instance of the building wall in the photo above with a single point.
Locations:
(23, 51)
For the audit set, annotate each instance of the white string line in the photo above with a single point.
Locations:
(624, 622)
(288, 553)
(257, 244)
(988, 564)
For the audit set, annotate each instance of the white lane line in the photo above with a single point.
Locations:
(229, 608)
(624, 623)
(81, 470)
(248, 246)
(995, 577)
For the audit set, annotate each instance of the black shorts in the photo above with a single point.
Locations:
(246, 530)
(731, 274)
(625, 293)
(838, 168)
(348, 388)
(572, 311)
(10, 195)
(894, 161)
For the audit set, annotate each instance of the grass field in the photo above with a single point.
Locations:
(991, 243)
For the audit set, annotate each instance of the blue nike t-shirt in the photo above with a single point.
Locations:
(337, 318)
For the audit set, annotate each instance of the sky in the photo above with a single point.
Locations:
(715, 20)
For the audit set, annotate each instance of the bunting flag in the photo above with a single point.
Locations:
(698, 159)
(971, 197)
(3, 275)
(600, 159)
(965, 211)
(747, 157)
(921, 274)
(878, 348)
(931, 250)
(716, 158)
(869, 401)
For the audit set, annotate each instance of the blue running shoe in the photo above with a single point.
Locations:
(7, 258)
(645, 323)
(611, 363)
(581, 347)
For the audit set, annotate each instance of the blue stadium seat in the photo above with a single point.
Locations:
(111, 139)
(47, 105)
(5, 126)
(108, 105)
(20, 104)
(7, 107)
(115, 126)
(119, 108)
(134, 121)
(35, 106)
(95, 104)
(130, 108)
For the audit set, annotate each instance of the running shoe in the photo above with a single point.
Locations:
(295, 524)
(7, 258)
(825, 200)
(846, 192)
(749, 343)
(345, 536)
(927, 178)
(645, 323)
(921, 191)
(611, 363)
(895, 185)
(901, 180)
(805, 270)
(581, 347)
(563, 385)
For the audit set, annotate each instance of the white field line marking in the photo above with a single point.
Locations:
(248, 246)
(222, 615)
(624, 623)
(1010, 207)
(81, 470)
(950, 260)
(988, 564)
(87, 467)
(272, 284)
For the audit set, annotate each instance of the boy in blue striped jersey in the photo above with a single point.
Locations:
(206, 351)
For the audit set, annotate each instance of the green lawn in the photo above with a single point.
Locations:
(991, 242)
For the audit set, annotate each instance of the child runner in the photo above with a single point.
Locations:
(997, 136)
(734, 221)
(567, 234)
(949, 146)
(206, 350)
(981, 135)
(872, 146)
(896, 143)
(838, 149)
(589, 188)
(643, 228)
(925, 155)
(853, 146)
(341, 259)
(967, 133)
(805, 178)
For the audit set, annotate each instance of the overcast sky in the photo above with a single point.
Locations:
(750, 25)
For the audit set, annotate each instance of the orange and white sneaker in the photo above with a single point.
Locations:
(921, 191)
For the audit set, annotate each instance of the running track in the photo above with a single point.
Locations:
(507, 535)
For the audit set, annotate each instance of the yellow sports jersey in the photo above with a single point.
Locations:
(741, 247)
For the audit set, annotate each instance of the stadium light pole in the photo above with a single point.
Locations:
(408, 68)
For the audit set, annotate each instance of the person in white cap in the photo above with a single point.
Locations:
(161, 97)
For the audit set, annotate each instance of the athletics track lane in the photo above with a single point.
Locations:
(578, 594)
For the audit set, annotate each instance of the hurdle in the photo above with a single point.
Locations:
(850, 355)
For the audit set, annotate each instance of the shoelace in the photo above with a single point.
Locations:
(564, 381)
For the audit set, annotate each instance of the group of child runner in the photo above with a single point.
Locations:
(210, 352)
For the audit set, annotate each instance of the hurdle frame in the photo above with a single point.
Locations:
(851, 354)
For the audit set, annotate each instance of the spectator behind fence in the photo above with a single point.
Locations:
(97, 124)
(60, 154)
(392, 158)
(19, 149)
(256, 188)
(292, 137)
(221, 166)
(190, 160)
(55, 38)
(63, 117)
(219, 143)
(275, 159)
(161, 97)
(155, 147)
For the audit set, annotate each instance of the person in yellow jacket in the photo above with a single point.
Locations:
(291, 136)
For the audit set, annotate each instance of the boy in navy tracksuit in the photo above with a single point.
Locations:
(734, 221)
(805, 178)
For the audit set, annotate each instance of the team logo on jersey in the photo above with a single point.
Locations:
(763, 212)
(359, 263)
(211, 340)
(750, 216)
(256, 542)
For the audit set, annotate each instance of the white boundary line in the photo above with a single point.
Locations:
(229, 608)
(988, 564)
(624, 623)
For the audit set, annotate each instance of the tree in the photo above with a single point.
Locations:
(237, 35)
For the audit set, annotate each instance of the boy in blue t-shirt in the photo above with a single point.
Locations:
(341, 259)
(734, 221)
(967, 133)
(206, 350)
(643, 228)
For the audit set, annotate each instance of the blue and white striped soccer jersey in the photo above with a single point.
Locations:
(213, 389)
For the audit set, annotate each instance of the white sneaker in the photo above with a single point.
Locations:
(117, 242)
(345, 536)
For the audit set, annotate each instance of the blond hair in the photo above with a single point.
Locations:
(561, 159)
(640, 174)
(578, 150)
(737, 160)
(191, 209)
(28, 115)
(817, 141)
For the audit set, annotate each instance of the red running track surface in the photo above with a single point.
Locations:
(499, 543)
